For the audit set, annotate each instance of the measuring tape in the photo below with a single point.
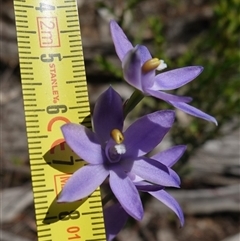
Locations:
(55, 92)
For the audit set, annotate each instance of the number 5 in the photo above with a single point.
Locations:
(50, 57)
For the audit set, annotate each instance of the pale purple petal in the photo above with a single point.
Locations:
(134, 177)
(120, 40)
(170, 156)
(193, 111)
(151, 171)
(144, 53)
(107, 114)
(176, 78)
(115, 218)
(132, 68)
(169, 201)
(147, 79)
(83, 182)
(126, 192)
(83, 142)
(147, 132)
(175, 176)
(168, 97)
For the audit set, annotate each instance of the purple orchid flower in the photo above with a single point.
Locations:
(112, 153)
(139, 71)
(169, 157)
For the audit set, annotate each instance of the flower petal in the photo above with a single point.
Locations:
(83, 182)
(147, 187)
(120, 40)
(126, 192)
(107, 114)
(170, 156)
(169, 201)
(147, 132)
(175, 176)
(168, 97)
(83, 142)
(147, 79)
(115, 218)
(144, 53)
(151, 171)
(176, 78)
(132, 68)
(193, 111)
(134, 177)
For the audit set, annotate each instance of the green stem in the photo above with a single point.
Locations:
(134, 99)
(107, 198)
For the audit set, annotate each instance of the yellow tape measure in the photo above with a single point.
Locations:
(54, 93)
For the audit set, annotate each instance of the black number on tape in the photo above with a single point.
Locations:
(55, 109)
(50, 57)
(64, 216)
